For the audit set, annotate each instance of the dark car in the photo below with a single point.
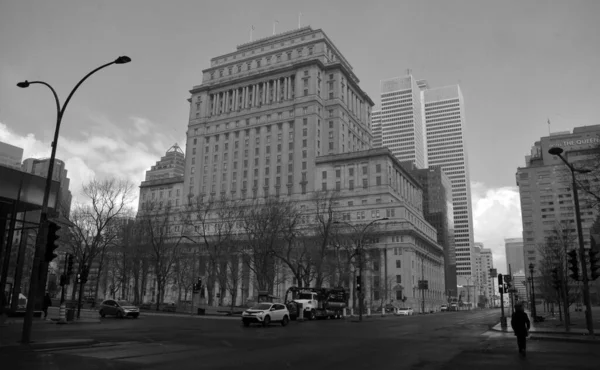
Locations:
(119, 309)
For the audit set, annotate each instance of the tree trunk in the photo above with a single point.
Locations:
(158, 291)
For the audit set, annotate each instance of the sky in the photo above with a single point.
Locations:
(518, 63)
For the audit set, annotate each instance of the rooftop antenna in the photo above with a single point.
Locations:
(274, 23)
(251, 29)
(549, 127)
(299, 19)
(408, 71)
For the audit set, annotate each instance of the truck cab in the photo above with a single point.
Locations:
(309, 303)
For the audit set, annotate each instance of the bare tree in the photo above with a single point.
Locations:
(90, 223)
(161, 231)
(186, 271)
(264, 224)
(553, 252)
(326, 215)
(230, 272)
(212, 221)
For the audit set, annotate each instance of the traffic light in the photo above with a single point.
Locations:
(358, 283)
(78, 278)
(573, 266)
(51, 240)
(555, 279)
(70, 258)
(500, 284)
(594, 266)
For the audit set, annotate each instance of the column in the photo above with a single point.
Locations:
(213, 103)
(227, 94)
(278, 90)
(245, 98)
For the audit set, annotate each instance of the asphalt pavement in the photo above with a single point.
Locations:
(448, 340)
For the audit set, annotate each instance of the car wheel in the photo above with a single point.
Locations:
(266, 321)
(119, 315)
(102, 314)
(285, 321)
(246, 323)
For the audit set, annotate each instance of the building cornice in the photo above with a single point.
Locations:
(226, 83)
(158, 182)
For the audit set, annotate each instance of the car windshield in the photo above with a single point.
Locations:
(304, 296)
(262, 306)
(124, 303)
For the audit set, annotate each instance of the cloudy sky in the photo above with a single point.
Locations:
(519, 63)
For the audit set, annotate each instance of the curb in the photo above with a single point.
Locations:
(560, 338)
(209, 317)
(53, 344)
(534, 331)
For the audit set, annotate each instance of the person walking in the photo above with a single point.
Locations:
(47, 303)
(520, 324)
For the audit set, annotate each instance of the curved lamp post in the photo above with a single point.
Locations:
(533, 310)
(43, 228)
(358, 252)
(586, 287)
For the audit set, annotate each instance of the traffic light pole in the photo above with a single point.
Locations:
(586, 287)
(501, 291)
(62, 291)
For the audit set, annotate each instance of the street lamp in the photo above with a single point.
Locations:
(586, 288)
(533, 310)
(358, 252)
(40, 248)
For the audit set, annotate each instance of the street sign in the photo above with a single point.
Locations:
(493, 273)
(507, 278)
(423, 284)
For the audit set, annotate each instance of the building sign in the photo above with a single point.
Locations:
(565, 143)
(423, 284)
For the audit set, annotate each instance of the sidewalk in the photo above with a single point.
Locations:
(548, 330)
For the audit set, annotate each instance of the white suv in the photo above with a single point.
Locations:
(266, 313)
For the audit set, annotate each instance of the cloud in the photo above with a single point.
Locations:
(496, 216)
(104, 149)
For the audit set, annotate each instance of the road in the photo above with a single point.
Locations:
(448, 340)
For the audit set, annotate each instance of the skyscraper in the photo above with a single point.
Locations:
(400, 120)
(164, 181)
(514, 255)
(426, 126)
(266, 111)
(376, 128)
(437, 209)
(40, 167)
(10, 155)
(547, 206)
(446, 148)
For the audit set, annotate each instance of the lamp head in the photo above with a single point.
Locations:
(556, 151)
(23, 84)
(582, 170)
(531, 266)
(385, 218)
(122, 60)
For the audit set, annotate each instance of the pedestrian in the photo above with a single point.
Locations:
(520, 324)
(47, 303)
